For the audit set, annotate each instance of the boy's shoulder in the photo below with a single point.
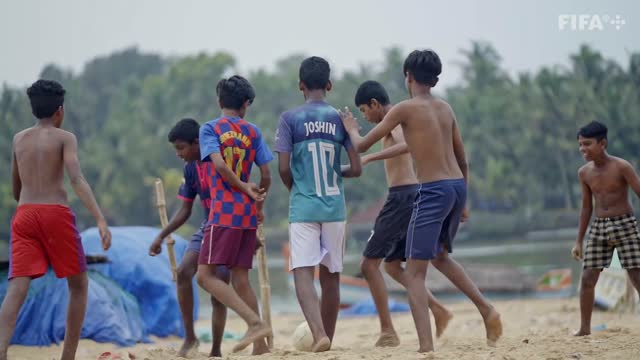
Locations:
(62, 135)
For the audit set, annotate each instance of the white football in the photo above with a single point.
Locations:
(302, 337)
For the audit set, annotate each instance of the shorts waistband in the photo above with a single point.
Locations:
(43, 206)
(443, 182)
(403, 188)
(619, 217)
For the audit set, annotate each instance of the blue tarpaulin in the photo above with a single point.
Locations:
(129, 297)
(112, 314)
(148, 279)
(368, 307)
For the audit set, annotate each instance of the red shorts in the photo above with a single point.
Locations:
(228, 246)
(43, 235)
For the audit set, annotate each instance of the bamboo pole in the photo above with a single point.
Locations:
(265, 287)
(162, 212)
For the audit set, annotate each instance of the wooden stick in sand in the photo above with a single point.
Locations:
(162, 211)
(265, 287)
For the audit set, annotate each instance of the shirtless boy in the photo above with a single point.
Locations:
(43, 230)
(388, 237)
(606, 179)
(440, 200)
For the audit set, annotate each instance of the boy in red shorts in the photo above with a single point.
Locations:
(43, 230)
(233, 144)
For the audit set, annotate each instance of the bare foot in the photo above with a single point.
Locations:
(188, 348)
(493, 327)
(442, 321)
(260, 347)
(253, 334)
(425, 350)
(215, 353)
(582, 332)
(323, 344)
(388, 339)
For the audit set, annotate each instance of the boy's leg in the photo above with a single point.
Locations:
(222, 246)
(330, 300)
(587, 297)
(417, 291)
(76, 309)
(371, 271)
(241, 284)
(186, 271)
(224, 293)
(308, 299)
(13, 300)
(304, 239)
(219, 317)
(456, 274)
(441, 315)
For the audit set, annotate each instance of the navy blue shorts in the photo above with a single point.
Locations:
(389, 234)
(196, 239)
(435, 219)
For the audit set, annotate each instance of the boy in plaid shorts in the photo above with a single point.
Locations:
(607, 179)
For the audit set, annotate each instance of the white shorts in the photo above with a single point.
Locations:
(317, 243)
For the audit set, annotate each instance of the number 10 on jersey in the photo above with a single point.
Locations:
(323, 169)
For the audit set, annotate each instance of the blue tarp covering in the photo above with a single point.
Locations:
(112, 314)
(147, 278)
(368, 307)
(130, 297)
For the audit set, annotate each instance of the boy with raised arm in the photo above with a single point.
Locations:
(431, 132)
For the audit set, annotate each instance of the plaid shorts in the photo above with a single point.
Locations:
(607, 234)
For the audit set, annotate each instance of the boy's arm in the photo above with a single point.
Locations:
(265, 184)
(458, 151)
(177, 220)
(15, 176)
(355, 167)
(284, 169)
(399, 148)
(229, 176)
(585, 215)
(631, 177)
(82, 188)
(362, 144)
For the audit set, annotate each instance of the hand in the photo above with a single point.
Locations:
(156, 247)
(105, 234)
(254, 192)
(350, 123)
(465, 215)
(365, 159)
(260, 216)
(576, 252)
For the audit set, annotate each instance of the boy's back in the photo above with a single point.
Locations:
(40, 153)
(315, 135)
(429, 131)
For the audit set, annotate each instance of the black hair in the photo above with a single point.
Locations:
(314, 73)
(424, 66)
(46, 97)
(370, 90)
(234, 92)
(594, 130)
(186, 130)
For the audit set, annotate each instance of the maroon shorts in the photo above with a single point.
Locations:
(228, 246)
(43, 235)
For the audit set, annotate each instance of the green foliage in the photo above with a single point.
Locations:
(519, 132)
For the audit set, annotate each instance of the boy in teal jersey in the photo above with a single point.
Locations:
(309, 141)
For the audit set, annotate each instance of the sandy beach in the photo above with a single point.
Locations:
(533, 329)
